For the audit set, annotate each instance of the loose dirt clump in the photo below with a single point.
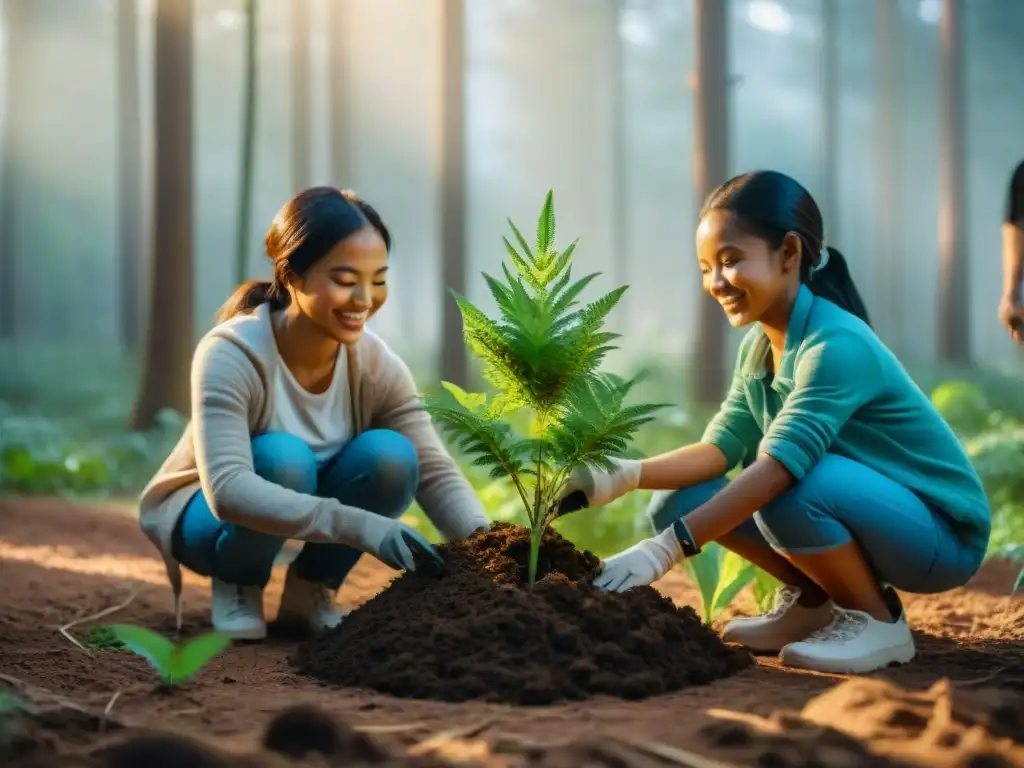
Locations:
(947, 726)
(297, 736)
(478, 631)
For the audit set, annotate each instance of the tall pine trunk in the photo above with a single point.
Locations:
(170, 332)
(954, 332)
(247, 159)
(710, 166)
(454, 358)
(829, 202)
(337, 82)
(129, 155)
(888, 179)
(300, 96)
(18, 87)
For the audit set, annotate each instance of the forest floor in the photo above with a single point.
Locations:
(62, 561)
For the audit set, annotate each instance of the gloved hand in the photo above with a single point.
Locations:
(641, 564)
(592, 487)
(469, 526)
(396, 544)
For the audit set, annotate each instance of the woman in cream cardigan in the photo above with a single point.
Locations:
(305, 425)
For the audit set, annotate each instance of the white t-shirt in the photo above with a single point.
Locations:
(322, 421)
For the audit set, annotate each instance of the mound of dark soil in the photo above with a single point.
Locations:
(478, 631)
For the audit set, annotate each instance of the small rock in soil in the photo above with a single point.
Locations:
(478, 631)
(302, 730)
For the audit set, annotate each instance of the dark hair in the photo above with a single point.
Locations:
(304, 230)
(371, 216)
(770, 205)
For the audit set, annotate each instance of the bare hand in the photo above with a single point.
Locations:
(1011, 314)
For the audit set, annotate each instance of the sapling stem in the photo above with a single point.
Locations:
(536, 535)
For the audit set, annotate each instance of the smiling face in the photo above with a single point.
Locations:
(743, 273)
(345, 288)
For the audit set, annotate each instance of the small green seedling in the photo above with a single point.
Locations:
(103, 639)
(11, 707)
(1017, 556)
(542, 357)
(174, 663)
(720, 575)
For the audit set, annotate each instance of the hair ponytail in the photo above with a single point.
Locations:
(832, 281)
(250, 295)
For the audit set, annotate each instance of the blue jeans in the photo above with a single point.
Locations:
(378, 471)
(840, 500)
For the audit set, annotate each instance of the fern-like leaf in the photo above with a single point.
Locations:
(546, 225)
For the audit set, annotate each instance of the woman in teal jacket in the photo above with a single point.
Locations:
(852, 484)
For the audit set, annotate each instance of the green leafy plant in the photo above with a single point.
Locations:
(541, 356)
(1016, 555)
(720, 575)
(764, 587)
(173, 662)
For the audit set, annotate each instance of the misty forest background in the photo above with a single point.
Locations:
(145, 146)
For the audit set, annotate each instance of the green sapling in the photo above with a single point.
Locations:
(541, 356)
(174, 663)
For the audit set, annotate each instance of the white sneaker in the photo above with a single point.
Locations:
(238, 611)
(785, 623)
(854, 642)
(308, 603)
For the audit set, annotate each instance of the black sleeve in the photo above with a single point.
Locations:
(1015, 198)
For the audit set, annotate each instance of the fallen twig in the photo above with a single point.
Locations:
(674, 754)
(465, 732)
(107, 710)
(755, 721)
(183, 712)
(981, 680)
(390, 728)
(516, 745)
(105, 612)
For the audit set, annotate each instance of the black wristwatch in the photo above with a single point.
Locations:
(686, 540)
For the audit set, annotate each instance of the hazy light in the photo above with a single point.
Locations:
(929, 11)
(230, 19)
(770, 15)
(635, 28)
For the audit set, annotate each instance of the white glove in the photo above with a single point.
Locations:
(641, 564)
(598, 488)
(394, 543)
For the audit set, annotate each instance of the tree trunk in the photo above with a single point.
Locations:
(301, 151)
(710, 168)
(954, 331)
(170, 333)
(337, 89)
(454, 358)
(247, 159)
(18, 86)
(888, 179)
(829, 202)
(619, 207)
(130, 172)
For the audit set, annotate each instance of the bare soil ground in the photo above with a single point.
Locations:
(959, 703)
